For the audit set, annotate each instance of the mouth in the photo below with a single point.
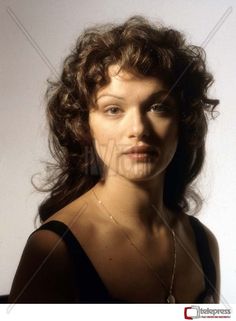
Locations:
(141, 153)
(147, 155)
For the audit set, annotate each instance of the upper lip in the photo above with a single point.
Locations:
(140, 149)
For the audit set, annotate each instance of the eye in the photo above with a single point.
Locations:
(113, 110)
(159, 107)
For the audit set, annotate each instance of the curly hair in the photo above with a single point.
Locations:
(140, 46)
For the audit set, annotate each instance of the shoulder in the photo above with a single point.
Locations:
(194, 223)
(212, 241)
(72, 211)
(44, 272)
(214, 250)
(199, 227)
(194, 227)
(84, 219)
(47, 243)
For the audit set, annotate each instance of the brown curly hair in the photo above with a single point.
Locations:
(140, 46)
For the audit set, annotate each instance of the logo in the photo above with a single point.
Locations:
(196, 312)
(192, 312)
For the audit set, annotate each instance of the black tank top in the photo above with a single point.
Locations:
(91, 286)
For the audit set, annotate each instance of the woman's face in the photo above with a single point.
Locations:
(133, 111)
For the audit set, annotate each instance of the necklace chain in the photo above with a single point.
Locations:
(170, 298)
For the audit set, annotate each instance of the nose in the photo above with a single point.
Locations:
(138, 124)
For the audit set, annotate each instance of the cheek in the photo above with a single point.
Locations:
(101, 134)
(168, 136)
(104, 139)
(167, 130)
(95, 129)
(104, 131)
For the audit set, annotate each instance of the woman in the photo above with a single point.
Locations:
(128, 126)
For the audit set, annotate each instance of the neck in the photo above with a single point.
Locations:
(134, 204)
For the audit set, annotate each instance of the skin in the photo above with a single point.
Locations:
(128, 190)
(129, 113)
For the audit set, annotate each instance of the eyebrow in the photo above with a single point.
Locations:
(110, 95)
(154, 95)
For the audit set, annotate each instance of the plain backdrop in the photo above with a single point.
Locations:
(35, 37)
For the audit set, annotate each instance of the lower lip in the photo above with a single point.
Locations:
(141, 156)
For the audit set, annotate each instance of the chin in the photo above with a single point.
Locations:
(137, 174)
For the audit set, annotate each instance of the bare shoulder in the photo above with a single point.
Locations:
(83, 218)
(44, 261)
(72, 211)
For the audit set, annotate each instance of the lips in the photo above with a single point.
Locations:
(141, 149)
(143, 153)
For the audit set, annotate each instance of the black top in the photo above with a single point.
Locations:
(91, 286)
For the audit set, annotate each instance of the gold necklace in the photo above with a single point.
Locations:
(170, 298)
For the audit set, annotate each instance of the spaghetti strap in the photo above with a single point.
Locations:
(204, 252)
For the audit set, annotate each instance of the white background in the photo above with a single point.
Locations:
(35, 36)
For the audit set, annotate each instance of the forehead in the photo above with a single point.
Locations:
(126, 82)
